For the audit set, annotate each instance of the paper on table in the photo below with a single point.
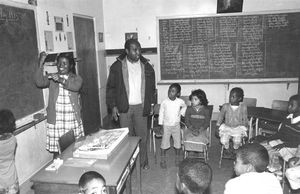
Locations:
(79, 162)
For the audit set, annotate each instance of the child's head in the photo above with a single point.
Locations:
(7, 121)
(65, 63)
(194, 176)
(236, 96)
(251, 158)
(294, 104)
(198, 97)
(174, 91)
(92, 182)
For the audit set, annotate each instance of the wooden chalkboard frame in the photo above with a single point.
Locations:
(29, 120)
(219, 81)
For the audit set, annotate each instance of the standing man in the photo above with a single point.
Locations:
(130, 91)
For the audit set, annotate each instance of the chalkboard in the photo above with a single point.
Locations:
(18, 57)
(235, 46)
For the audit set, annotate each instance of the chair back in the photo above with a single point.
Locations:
(250, 101)
(210, 108)
(280, 105)
(66, 140)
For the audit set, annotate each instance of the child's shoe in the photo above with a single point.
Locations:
(163, 164)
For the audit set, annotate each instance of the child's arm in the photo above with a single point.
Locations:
(206, 120)
(73, 83)
(221, 115)
(187, 118)
(40, 79)
(245, 116)
(183, 108)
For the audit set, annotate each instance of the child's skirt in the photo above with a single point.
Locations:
(236, 133)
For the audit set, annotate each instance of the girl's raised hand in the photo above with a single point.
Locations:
(42, 58)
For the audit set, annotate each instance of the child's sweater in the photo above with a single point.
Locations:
(170, 111)
(233, 118)
(197, 119)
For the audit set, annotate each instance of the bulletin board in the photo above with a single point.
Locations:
(18, 59)
(230, 46)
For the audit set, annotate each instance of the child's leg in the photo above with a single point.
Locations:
(163, 163)
(237, 141)
(177, 156)
(224, 138)
(176, 134)
(165, 144)
(293, 175)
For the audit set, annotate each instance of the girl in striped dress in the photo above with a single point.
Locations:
(63, 111)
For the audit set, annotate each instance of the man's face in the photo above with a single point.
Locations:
(134, 52)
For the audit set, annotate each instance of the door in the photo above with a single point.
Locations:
(87, 69)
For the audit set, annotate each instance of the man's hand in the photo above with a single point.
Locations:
(279, 147)
(115, 113)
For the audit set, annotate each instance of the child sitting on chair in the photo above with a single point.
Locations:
(236, 120)
(92, 182)
(170, 113)
(250, 166)
(194, 176)
(197, 118)
(9, 183)
(284, 143)
(293, 172)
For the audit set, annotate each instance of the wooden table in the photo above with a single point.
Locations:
(116, 171)
(265, 114)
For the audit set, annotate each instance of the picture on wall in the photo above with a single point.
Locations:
(229, 6)
(131, 35)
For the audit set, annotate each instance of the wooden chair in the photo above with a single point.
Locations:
(65, 141)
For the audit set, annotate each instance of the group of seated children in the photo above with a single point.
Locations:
(232, 122)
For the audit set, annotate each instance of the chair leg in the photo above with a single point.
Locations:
(220, 161)
(150, 144)
(154, 147)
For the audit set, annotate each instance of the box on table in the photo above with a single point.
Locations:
(102, 144)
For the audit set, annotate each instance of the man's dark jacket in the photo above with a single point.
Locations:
(117, 87)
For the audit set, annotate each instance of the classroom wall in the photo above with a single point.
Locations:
(31, 154)
(143, 21)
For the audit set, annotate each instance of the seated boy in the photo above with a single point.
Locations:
(193, 177)
(284, 143)
(250, 165)
(293, 173)
(92, 182)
